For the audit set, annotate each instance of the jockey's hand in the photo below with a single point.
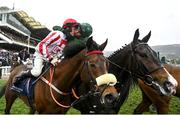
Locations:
(55, 61)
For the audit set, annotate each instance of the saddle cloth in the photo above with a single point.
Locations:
(26, 88)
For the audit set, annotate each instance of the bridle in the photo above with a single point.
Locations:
(86, 63)
(139, 73)
(93, 93)
(148, 79)
(92, 81)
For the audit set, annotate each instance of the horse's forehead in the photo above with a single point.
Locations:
(97, 57)
(141, 44)
(143, 47)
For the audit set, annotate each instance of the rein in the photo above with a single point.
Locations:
(73, 92)
(64, 106)
(57, 90)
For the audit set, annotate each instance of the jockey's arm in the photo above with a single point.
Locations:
(43, 47)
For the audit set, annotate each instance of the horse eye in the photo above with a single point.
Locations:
(143, 55)
(92, 64)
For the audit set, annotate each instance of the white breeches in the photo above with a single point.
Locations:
(38, 65)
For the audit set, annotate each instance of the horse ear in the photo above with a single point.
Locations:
(89, 41)
(136, 36)
(146, 38)
(102, 46)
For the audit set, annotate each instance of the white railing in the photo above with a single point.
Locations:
(5, 72)
(178, 65)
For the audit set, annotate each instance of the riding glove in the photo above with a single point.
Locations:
(55, 61)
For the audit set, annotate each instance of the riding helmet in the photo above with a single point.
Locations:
(86, 29)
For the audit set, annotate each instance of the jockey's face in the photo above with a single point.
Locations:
(75, 31)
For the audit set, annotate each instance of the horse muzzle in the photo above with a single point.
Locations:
(170, 85)
(167, 89)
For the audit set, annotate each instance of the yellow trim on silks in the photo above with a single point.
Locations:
(109, 79)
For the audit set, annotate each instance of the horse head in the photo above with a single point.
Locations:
(148, 67)
(97, 85)
(91, 75)
(138, 60)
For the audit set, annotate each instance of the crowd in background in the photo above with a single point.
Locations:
(6, 57)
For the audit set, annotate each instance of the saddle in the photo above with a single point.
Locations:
(26, 86)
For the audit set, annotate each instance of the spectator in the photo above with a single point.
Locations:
(23, 56)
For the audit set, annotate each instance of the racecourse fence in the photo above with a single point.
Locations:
(5, 71)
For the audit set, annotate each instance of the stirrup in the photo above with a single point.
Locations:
(16, 89)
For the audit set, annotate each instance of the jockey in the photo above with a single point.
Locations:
(86, 30)
(23, 56)
(50, 48)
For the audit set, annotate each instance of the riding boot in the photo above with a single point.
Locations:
(21, 77)
(18, 80)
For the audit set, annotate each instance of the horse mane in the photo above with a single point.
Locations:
(116, 54)
(126, 80)
(72, 49)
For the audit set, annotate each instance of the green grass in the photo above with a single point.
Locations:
(128, 107)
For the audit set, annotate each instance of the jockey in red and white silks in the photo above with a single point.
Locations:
(47, 49)
(50, 49)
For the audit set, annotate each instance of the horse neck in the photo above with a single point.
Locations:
(173, 70)
(123, 59)
(67, 71)
(124, 65)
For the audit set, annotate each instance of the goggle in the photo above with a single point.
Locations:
(77, 27)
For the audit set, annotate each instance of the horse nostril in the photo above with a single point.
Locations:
(109, 98)
(168, 85)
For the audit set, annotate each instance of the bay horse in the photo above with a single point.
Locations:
(138, 60)
(56, 96)
(149, 96)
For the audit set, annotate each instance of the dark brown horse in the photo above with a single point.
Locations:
(150, 96)
(88, 66)
(138, 60)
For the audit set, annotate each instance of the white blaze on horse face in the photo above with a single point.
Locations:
(172, 79)
(171, 87)
(109, 79)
